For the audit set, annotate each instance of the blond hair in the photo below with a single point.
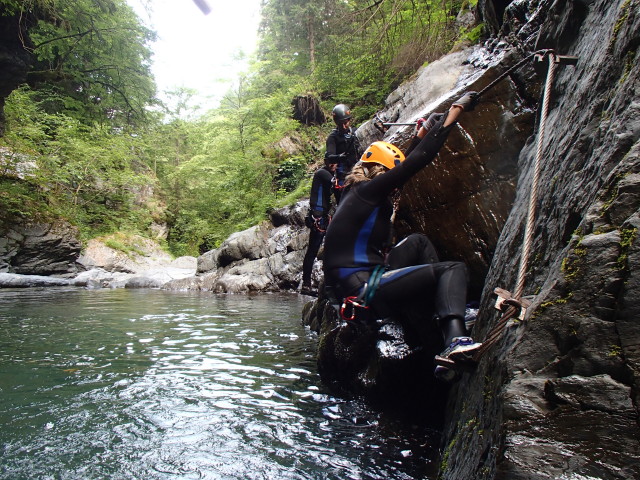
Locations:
(363, 173)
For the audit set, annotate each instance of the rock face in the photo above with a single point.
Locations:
(557, 396)
(40, 249)
(462, 200)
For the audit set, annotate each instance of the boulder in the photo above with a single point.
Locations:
(42, 249)
(264, 258)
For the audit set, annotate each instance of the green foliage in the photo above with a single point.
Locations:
(68, 169)
(123, 243)
(473, 34)
(290, 172)
(92, 60)
(373, 47)
(17, 200)
(87, 139)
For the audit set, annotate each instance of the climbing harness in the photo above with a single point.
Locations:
(336, 183)
(351, 303)
(319, 222)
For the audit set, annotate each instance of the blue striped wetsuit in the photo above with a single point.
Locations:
(356, 241)
(318, 219)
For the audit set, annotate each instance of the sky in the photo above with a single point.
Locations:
(200, 51)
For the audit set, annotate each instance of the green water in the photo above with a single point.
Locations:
(146, 384)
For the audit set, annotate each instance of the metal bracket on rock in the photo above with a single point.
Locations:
(505, 299)
(558, 59)
(381, 124)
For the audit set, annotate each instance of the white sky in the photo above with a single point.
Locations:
(200, 51)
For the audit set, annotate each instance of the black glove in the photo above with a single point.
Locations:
(468, 101)
(428, 123)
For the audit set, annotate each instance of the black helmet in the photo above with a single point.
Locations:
(341, 113)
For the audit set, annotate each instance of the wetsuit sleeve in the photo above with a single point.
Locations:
(421, 156)
(332, 154)
(415, 140)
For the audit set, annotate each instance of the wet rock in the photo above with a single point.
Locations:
(382, 360)
(558, 393)
(598, 392)
(12, 280)
(40, 249)
(266, 257)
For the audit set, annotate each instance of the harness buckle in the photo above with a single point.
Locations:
(352, 303)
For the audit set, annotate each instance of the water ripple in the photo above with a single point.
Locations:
(155, 385)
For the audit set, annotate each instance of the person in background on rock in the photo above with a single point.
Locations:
(317, 219)
(343, 147)
(359, 233)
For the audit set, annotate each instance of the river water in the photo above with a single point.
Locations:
(147, 384)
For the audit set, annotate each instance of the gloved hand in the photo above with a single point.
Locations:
(467, 102)
(427, 123)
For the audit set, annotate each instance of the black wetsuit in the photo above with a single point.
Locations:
(317, 219)
(357, 241)
(343, 148)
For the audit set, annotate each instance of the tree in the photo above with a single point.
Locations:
(88, 58)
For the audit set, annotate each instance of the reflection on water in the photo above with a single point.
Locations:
(132, 384)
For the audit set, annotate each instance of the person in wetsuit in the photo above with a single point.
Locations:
(343, 147)
(317, 219)
(358, 238)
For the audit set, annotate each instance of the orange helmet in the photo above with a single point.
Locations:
(384, 153)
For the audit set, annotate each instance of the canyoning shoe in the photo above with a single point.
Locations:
(462, 349)
(470, 316)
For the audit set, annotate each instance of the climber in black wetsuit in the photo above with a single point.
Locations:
(343, 147)
(317, 219)
(359, 234)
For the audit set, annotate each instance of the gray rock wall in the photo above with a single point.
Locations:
(264, 258)
(40, 249)
(558, 396)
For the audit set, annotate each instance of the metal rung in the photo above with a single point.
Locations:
(566, 60)
(559, 59)
(506, 296)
